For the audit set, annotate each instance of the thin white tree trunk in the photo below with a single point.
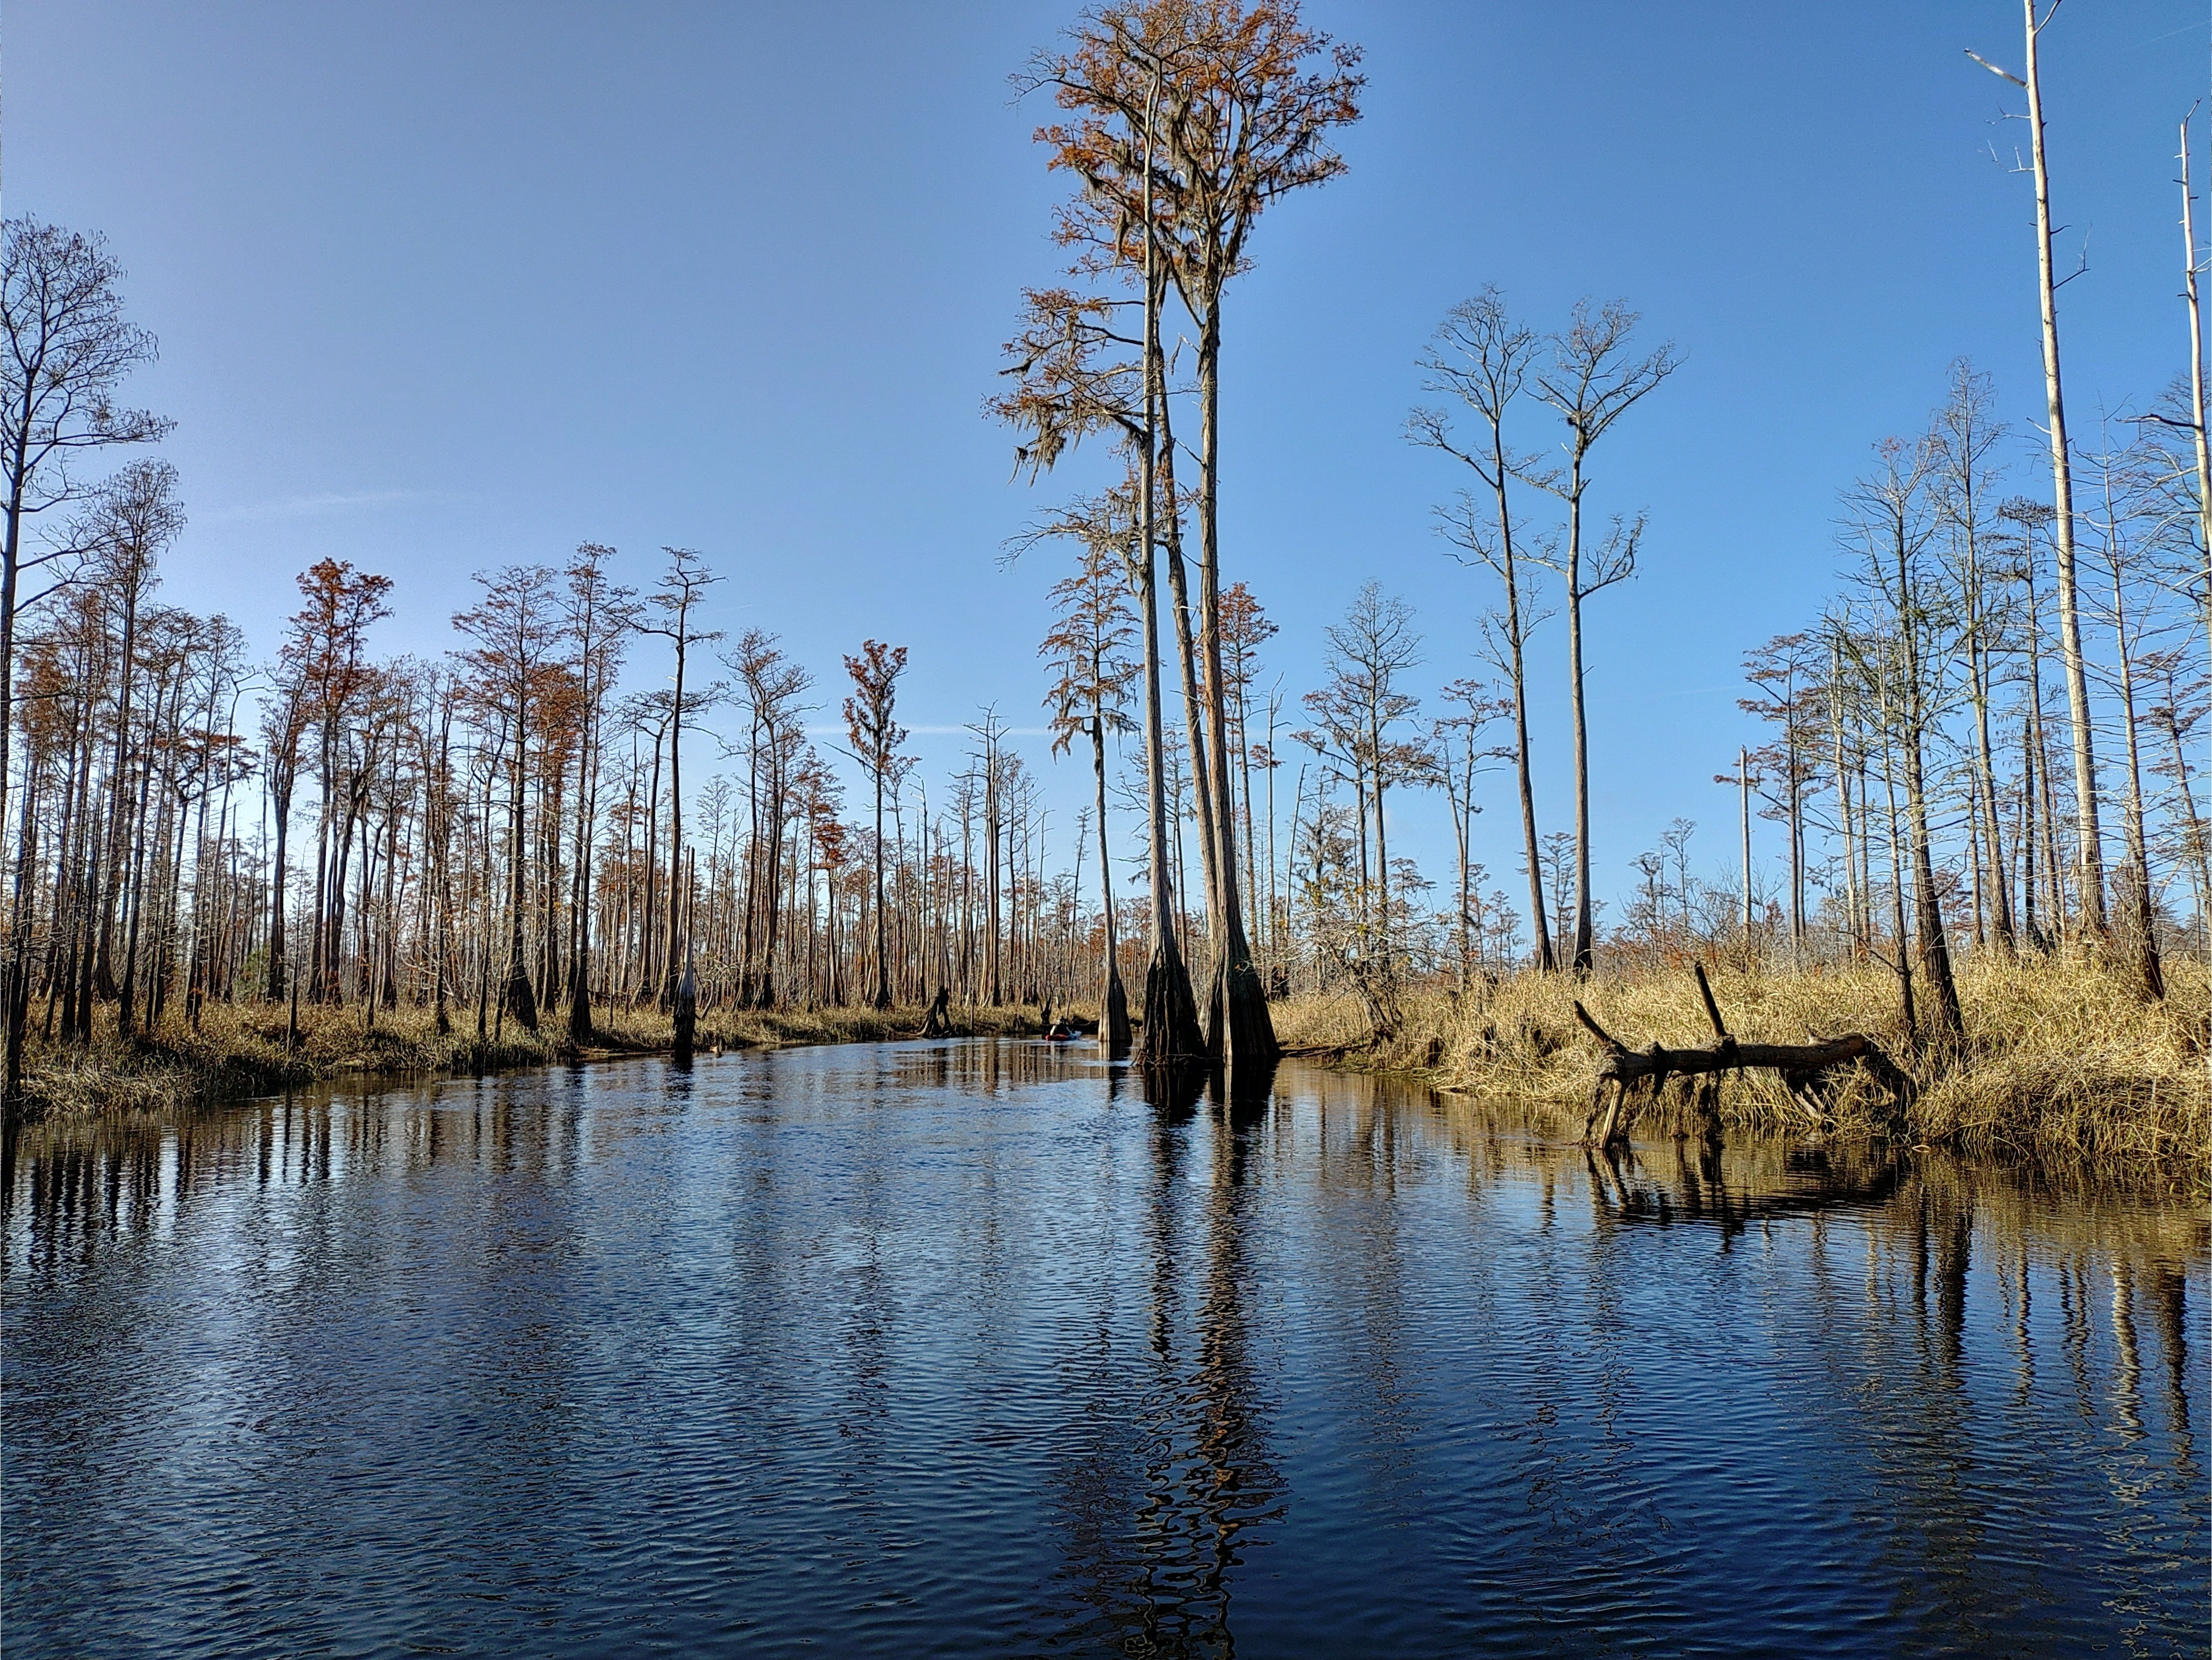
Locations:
(2091, 874)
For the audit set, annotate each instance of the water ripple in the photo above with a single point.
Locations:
(971, 1349)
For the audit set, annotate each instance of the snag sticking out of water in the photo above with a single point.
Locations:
(687, 1013)
(1802, 1068)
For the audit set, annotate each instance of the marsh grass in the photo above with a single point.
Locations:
(2064, 1062)
(239, 1051)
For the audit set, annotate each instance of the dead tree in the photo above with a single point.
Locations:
(2090, 851)
(1483, 357)
(1803, 1069)
(1592, 382)
(680, 589)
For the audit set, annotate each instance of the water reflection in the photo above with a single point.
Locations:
(991, 1068)
(1000, 1348)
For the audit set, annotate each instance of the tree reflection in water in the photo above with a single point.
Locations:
(869, 1346)
(1171, 1494)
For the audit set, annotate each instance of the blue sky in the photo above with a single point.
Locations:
(442, 288)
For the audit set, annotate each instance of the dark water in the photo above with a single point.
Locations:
(970, 1350)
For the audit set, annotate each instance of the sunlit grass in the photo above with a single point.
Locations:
(240, 1050)
(2064, 1059)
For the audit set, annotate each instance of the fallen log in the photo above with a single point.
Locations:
(1802, 1067)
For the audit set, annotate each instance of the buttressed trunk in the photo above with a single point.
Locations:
(1171, 1035)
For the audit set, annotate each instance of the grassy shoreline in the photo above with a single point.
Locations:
(2065, 1065)
(2064, 1062)
(239, 1051)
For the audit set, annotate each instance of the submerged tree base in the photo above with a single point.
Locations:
(1238, 1031)
(937, 1023)
(1114, 1029)
(1171, 1037)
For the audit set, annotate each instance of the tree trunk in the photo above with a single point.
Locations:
(1743, 795)
(1539, 924)
(671, 968)
(1171, 1035)
(2090, 854)
(519, 1000)
(1584, 941)
(882, 996)
(16, 987)
(1901, 944)
(2001, 885)
(1238, 1029)
(2196, 385)
(587, 807)
(118, 819)
(14, 968)
(2143, 922)
(1113, 1005)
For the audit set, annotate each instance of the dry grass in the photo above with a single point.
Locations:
(239, 1051)
(2064, 1062)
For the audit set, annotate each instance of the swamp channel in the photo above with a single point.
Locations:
(972, 1348)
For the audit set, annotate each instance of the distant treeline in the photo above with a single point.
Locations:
(1991, 735)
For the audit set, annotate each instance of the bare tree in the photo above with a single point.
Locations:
(598, 618)
(1592, 382)
(2190, 267)
(2178, 706)
(2089, 849)
(875, 738)
(1484, 358)
(285, 718)
(1893, 526)
(771, 689)
(674, 594)
(2039, 817)
(2122, 491)
(513, 629)
(1968, 434)
(1360, 710)
(1245, 626)
(1457, 741)
(1092, 677)
(1785, 673)
(134, 517)
(67, 349)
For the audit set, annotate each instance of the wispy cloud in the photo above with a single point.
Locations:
(317, 506)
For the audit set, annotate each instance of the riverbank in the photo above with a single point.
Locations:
(2064, 1062)
(239, 1051)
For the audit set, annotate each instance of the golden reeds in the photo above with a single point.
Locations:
(2064, 1059)
(241, 1051)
